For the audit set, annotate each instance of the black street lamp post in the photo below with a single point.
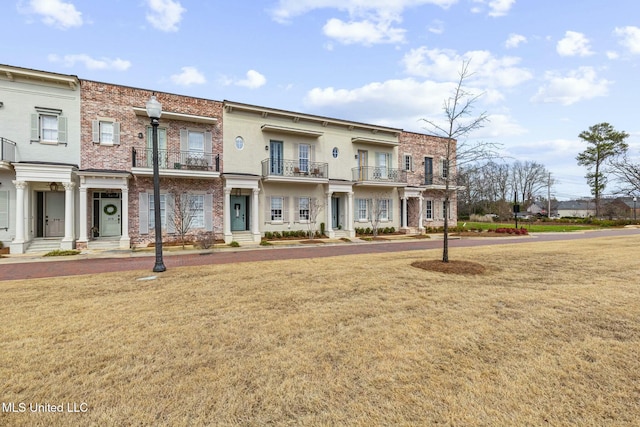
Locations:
(154, 111)
(635, 199)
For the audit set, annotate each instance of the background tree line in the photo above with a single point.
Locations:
(492, 186)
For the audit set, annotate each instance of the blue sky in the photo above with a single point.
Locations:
(547, 69)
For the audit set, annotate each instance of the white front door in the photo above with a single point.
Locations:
(110, 217)
(54, 214)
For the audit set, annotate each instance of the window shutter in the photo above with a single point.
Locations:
(312, 153)
(62, 130)
(184, 140)
(296, 213)
(356, 208)
(390, 207)
(35, 127)
(369, 209)
(208, 212)
(143, 213)
(4, 209)
(285, 209)
(208, 147)
(116, 133)
(267, 209)
(95, 131)
(170, 212)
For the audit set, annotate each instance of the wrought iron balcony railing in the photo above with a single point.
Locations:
(175, 159)
(294, 168)
(379, 174)
(7, 150)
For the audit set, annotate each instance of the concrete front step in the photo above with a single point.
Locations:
(43, 245)
(104, 243)
(243, 237)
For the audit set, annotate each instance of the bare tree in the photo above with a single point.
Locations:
(182, 214)
(379, 210)
(628, 175)
(529, 178)
(458, 109)
(310, 212)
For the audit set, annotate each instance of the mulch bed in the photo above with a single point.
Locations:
(451, 267)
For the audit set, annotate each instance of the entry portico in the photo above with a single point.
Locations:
(41, 210)
(106, 183)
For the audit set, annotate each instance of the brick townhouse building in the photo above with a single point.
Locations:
(76, 171)
(116, 174)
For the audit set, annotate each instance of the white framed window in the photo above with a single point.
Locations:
(48, 126)
(446, 208)
(105, 132)
(196, 143)
(196, 205)
(303, 157)
(382, 163)
(444, 168)
(428, 210)
(277, 209)
(163, 211)
(408, 162)
(362, 213)
(304, 204)
(383, 209)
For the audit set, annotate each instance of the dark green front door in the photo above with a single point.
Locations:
(238, 213)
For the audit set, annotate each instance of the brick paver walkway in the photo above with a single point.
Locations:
(21, 268)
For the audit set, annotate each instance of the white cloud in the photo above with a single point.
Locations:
(288, 9)
(500, 7)
(253, 80)
(92, 63)
(444, 64)
(514, 41)
(574, 44)
(630, 38)
(436, 27)
(363, 32)
(165, 15)
(497, 8)
(370, 22)
(577, 85)
(189, 76)
(55, 13)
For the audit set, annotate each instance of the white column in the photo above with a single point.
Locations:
(349, 219)
(83, 214)
(226, 216)
(125, 240)
(328, 228)
(421, 210)
(404, 213)
(255, 215)
(69, 217)
(20, 227)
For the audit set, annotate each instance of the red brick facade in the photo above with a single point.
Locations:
(103, 101)
(419, 146)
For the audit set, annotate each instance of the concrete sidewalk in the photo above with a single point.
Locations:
(94, 262)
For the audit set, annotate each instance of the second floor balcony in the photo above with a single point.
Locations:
(7, 153)
(291, 170)
(176, 163)
(379, 175)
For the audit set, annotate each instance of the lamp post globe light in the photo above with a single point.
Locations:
(154, 111)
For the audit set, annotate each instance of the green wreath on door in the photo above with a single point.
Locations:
(110, 209)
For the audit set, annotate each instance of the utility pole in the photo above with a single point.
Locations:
(549, 197)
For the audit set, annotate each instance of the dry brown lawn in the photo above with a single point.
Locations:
(548, 335)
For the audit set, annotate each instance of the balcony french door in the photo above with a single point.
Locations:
(276, 159)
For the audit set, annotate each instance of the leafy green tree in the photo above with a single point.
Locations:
(604, 144)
